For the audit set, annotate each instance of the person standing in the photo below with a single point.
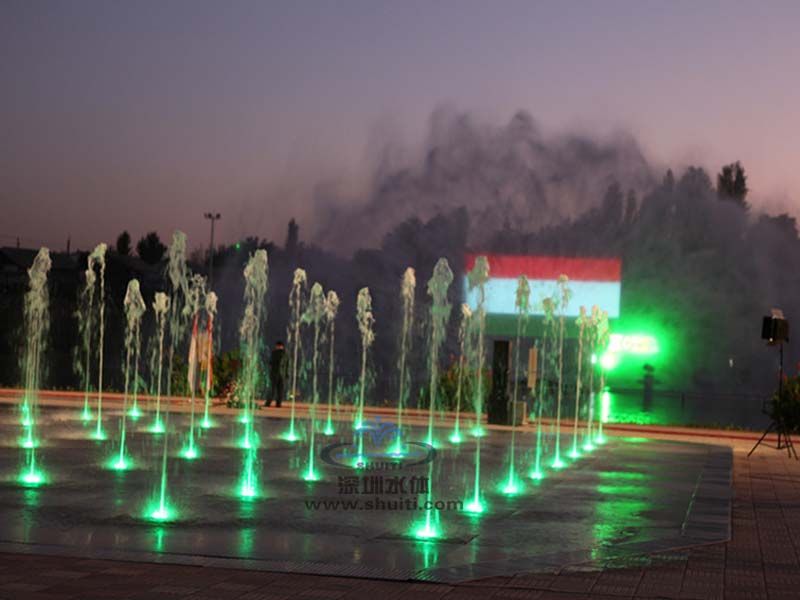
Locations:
(277, 374)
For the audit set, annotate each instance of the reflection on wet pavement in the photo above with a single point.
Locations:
(629, 495)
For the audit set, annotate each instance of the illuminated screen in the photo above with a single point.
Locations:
(593, 281)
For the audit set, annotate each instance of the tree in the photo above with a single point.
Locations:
(150, 249)
(732, 184)
(124, 243)
(292, 237)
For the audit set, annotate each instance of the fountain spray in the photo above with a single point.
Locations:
(295, 304)
(522, 304)
(37, 324)
(197, 286)
(211, 310)
(407, 291)
(548, 307)
(315, 313)
(84, 315)
(366, 321)
(581, 322)
(331, 308)
(161, 511)
(594, 319)
(179, 300)
(98, 256)
(160, 307)
(463, 340)
(477, 278)
(565, 295)
(438, 285)
(255, 289)
(603, 336)
(134, 309)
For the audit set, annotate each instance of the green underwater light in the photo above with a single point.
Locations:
(289, 436)
(310, 475)
(475, 507)
(455, 438)
(32, 478)
(206, 423)
(536, 475)
(121, 463)
(189, 453)
(157, 426)
(426, 531)
(134, 413)
(511, 488)
(558, 464)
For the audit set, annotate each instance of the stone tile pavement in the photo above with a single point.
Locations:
(760, 561)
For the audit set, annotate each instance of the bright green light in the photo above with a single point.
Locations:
(86, 415)
(478, 432)
(329, 430)
(120, 464)
(455, 438)
(574, 454)
(99, 435)
(558, 464)
(398, 450)
(189, 453)
(609, 361)
(600, 440)
(247, 490)
(536, 475)
(426, 532)
(605, 406)
(475, 507)
(157, 427)
(206, 423)
(594, 358)
(32, 478)
(134, 413)
(161, 514)
(588, 447)
(244, 419)
(28, 442)
(511, 488)
(310, 476)
(290, 436)
(26, 421)
(620, 343)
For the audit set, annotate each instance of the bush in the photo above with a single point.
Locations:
(784, 409)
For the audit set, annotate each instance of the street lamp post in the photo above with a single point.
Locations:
(213, 217)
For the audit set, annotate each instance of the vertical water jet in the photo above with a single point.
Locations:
(331, 308)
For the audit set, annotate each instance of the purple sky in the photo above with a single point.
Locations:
(142, 115)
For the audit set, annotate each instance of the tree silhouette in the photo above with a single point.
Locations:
(124, 243)
(292, 237)
(150, 249)
(732, 184)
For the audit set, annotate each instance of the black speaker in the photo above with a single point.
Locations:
(497, 411)
(774, 329)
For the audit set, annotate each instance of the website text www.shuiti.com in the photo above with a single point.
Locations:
(378, 503)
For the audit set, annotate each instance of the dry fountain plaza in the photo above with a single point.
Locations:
(652, 512)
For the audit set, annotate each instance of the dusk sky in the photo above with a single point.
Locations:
(142, 115)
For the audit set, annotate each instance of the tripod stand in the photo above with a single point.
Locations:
(777, 425)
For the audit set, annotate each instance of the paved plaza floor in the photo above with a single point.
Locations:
(638, 518)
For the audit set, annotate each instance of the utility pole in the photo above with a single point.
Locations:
(213, 217)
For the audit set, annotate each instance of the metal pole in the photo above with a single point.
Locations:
(213, 217)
